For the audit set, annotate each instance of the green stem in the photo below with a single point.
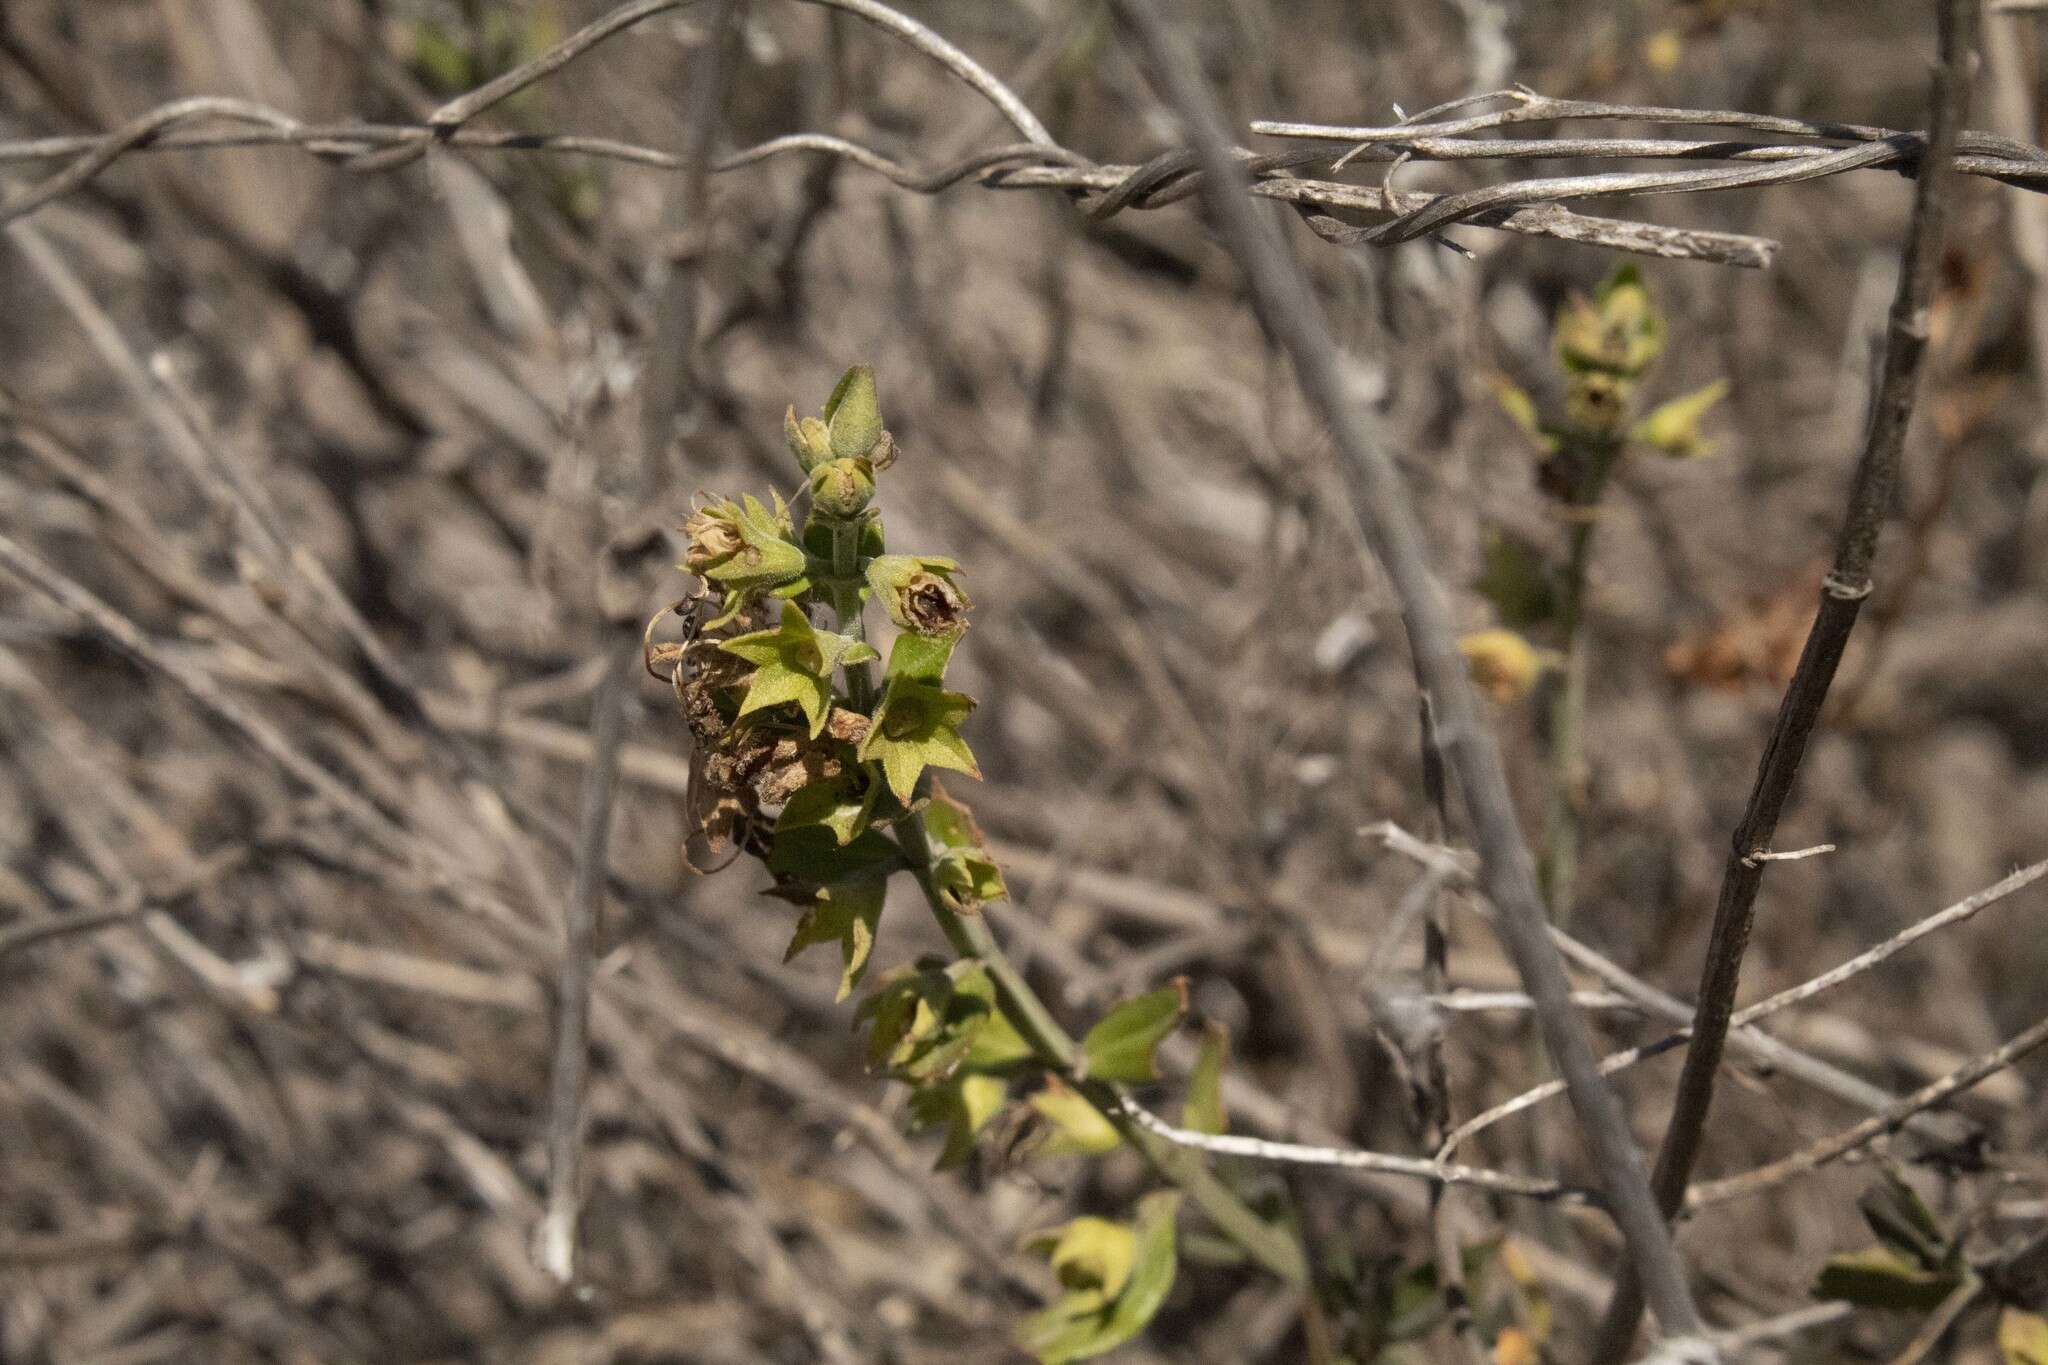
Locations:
(1558, 866)
(971, 937)
(842, 590)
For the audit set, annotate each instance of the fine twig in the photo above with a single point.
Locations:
(1841, 599)
(1941, 1321)
(555, 1238)
(1304, 1154)
(1796, 995)
(1022, 166)
(1840, 1144)
(1386, 512)
(971, 936)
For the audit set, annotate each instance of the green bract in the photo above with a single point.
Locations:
(853, 415)
(742, 545)
(1117, 1276)
(794, 663)
(1674, 426)
(916, 727)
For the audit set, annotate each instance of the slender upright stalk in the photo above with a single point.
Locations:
(1841, 599)
(1557, 868)
(971, 937)
(844, 591)
(1386, 512)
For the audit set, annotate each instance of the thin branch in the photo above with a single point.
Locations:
(463, 108)
(1740, 1339)
(1842, 596)
(953, 59)
(1839, 1145)
(1013, 166)
(555, 1238)
(1386, 512)
(1352, 1159)
(1526, 106)
(1962, 910)
(1768, 1051)
(1941, 1321)
(1274, 1249)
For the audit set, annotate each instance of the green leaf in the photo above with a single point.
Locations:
(1204, 1112)
(1902, 1221)
(1674, 427)
(2022, 1337)
(963, 871)
(812, 855)
(1086, 1322)
(920, 658)
(998, 1046)
(1120, 1047)
(830, 805)
(1879, 1277)
(440, 60)
(903, 1010)
(795, 663)
(915, 727)
(847, 914)
(1521, 408)
(927, 1022)
(964, 1104)
(853, 415)
(1077, 1127)
(1517, 584)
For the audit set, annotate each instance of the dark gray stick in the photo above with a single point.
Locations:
(1841, 599)
(1292, 316)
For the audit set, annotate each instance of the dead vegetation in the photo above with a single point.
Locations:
(327, 512)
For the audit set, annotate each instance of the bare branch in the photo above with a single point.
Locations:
(1344, 1158)
(1839, 1145)
(555, 1238)
(1619, 1061)
(1386, 512)
(1842, 596)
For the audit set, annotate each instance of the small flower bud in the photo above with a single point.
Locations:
(842, 488)
(808, 440)
(714, 538)
(1618, 330)
(854, 415)
(742, 545)
(1597, 401)
(919, 594)
(1503, 664)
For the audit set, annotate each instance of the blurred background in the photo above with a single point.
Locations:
(380, 468)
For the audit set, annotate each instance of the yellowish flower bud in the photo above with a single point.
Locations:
(1503, 664)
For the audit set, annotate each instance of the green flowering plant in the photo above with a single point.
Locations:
(1605, 349)
(822, 771)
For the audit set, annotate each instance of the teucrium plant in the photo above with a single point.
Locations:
(1605, 349)
(804, 760)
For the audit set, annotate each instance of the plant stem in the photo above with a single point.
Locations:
(1294, 318)
(1842, 595)
(970, 936)
(843, 592)
(1557, 869)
